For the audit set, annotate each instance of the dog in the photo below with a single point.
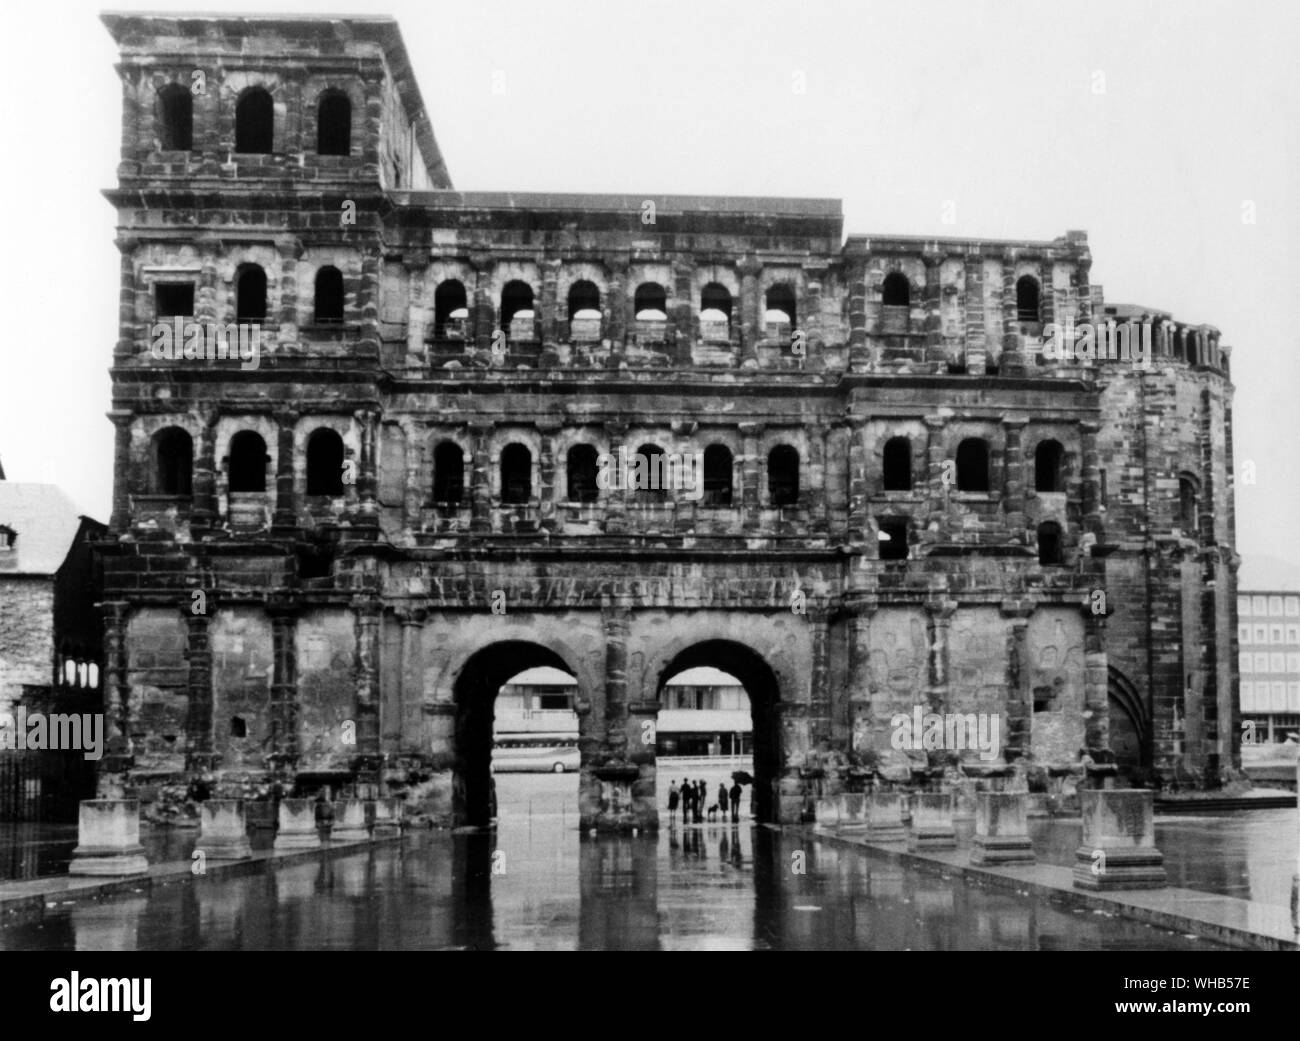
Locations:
(713, 812)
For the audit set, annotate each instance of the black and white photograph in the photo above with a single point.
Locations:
(714, 476)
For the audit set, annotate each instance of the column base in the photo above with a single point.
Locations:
(108, 863)
(994, 850)
(931, 838)
(1140, 867)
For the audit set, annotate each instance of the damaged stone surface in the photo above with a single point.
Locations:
(320, 570)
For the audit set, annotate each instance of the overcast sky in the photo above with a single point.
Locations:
(1150, 126)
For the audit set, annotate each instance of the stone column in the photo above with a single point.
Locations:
(976, 332)
(120, 519)
(127, 314)
(934, 352)
(285, 745)
(419, 313)
(480, 487)
(546, 510)
(372, 123)
(819, 714)
(1012, 362)
(681, 320)
(367, 348)
(859, 523)
(289, 249)
(549, 303)
(1013, 488)
(367, 474)
(937, 487)
(403, 731)
(199, 756)
(614, 618)
(1020, 713)
(859, 635)
(1090, 484)
(617, 304)
(285, 517)
(117, 738)
(810, 310)
(750, 472)
(1096, 702)
(616, 497)
(1047, 297)
(859, 353)
(413, 497)
(203, 492)
(750, 312)
(938, 623)
(366, 673)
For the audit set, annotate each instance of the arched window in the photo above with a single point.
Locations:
(779, 315)
(254, 122)
(329, 296)
(517, 311)
(516, 474)
(1187, 505)
(973, 465)
(450, 310)
(898, 465)
(325, 463)
(173, 462)
(250, 293)
(1049, 544)
(448, 473)
(1049, 467)
(584, 312)
(783, 475)
(718, 469)
(582, 465)
(648, 478)
(715, 313)
(650, 302)
(334, 124)
(248, 460)
(896, 290)
(892, 538)
(175, 118)
(1027, 299)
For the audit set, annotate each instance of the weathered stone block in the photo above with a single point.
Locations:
(349, 821)
(297, 825)
(885, 817)
(1001, 829)
(386, 817)
(1118, 849)
(932, 826)
(108, 839)
(223, 830)
(852, 812)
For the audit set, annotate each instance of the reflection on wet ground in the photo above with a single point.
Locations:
(537, 884)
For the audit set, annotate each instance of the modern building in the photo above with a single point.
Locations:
(1268, 635)
(907, 498)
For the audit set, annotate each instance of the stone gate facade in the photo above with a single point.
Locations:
(327, 554)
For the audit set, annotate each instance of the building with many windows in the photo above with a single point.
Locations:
(1268, 637)
(905, 500)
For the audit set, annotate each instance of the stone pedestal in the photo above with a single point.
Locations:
(1001, 829)
(1118, 850)
(223, 831)
(108, 839)
(932, 826)
(349, 821)
(297, 825)
(387, 817)
(828, 813)
(885, 817)
(853, 812)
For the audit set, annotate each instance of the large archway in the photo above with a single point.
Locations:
(1129, 724)
(474, 693)
(760, 683)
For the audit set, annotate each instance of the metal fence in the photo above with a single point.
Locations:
(44, 787)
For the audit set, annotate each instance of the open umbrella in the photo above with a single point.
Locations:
(742, 777)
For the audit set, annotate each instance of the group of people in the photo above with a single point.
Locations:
(693, 795)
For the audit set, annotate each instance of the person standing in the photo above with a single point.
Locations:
(701, 800)
(735, 801)
(688, 801)
(722, 799)
(672, 803)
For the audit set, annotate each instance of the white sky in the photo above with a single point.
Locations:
(907, 106)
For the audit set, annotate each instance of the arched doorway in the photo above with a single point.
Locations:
(755, 675)
(475, 693)
(1129, 724)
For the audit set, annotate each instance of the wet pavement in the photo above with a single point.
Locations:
(537, 884)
